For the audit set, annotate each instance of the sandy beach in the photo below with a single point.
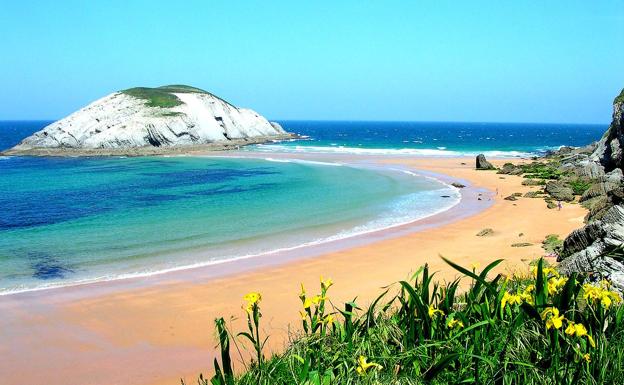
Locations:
(160, 329)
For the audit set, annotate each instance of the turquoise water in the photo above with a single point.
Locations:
(64, 221)
(69, 220)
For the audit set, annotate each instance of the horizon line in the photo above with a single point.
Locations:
(375, 121)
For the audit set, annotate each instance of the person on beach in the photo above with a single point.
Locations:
(559, 205)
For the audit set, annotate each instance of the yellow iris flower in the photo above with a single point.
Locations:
(552, 318)
(510, 299)
(326, 283)
(452, 324)
(302, 294)
(578, 330)
(433, 311)
(555, 284)
(587, 357)
(363, 366)
(252, 299)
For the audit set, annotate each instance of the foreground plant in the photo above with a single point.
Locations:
(543, 328)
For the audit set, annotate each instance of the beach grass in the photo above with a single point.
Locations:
(534, 328)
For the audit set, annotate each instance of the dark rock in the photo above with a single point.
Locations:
(483, 164)
(559, 191)
(589, 248)
(511, 198)
(522, 244)
(608, 153)
(532, 182)
(458, 185)
(485, 232)
(511, 169)
(551, 205)
(533, 194)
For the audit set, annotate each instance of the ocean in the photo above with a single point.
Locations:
(65, 221)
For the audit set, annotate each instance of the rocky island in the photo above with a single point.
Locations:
(152, 121)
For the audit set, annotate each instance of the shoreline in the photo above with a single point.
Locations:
(460, 208)
(231, 144)
(137, 328)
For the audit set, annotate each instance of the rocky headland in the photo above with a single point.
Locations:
(592, 177)
(152, 121)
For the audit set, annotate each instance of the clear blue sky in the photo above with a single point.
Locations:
(524, 61)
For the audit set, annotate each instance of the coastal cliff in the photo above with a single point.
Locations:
(146, 121)
(598, 247)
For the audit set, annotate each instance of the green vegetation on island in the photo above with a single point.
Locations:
(164, 96)
(537, 328)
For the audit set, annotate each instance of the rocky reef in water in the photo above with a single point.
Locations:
(146, 121)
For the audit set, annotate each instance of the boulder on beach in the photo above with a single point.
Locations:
(483, 164)
(559, 191)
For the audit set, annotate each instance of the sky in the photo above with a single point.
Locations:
(486, 61)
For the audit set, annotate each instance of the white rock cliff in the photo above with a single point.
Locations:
(188, 117)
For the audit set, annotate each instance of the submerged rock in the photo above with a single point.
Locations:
(483, 164)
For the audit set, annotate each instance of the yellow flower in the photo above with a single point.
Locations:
(433, 311)
(363, 366)
(570, 329)
(317, 299)
(329, 319)
(475, 265)
(576, 329)
(591, 341)
(529, 289)
(326, 283)
(510, 299)
(307, 303)
(555, 284)
(252, 299)
(587, 357)
(595, 294)
(302, 294)
(555, 320)
(303, 315)
(546, 271)
(455, 323)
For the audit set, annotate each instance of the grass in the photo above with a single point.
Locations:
(538, 170)
(542, 328)
(579, 185)
(552, 243)
(619, 98)
(163, 96)
(154, 97)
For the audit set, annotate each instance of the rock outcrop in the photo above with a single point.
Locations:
(151, 120)
(483, 164)
(598, 247)
(593, 248)
(559, 191)
(609, 151)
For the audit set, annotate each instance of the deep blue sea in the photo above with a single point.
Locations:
(70, 220)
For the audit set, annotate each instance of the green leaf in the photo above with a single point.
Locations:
(440, 366)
